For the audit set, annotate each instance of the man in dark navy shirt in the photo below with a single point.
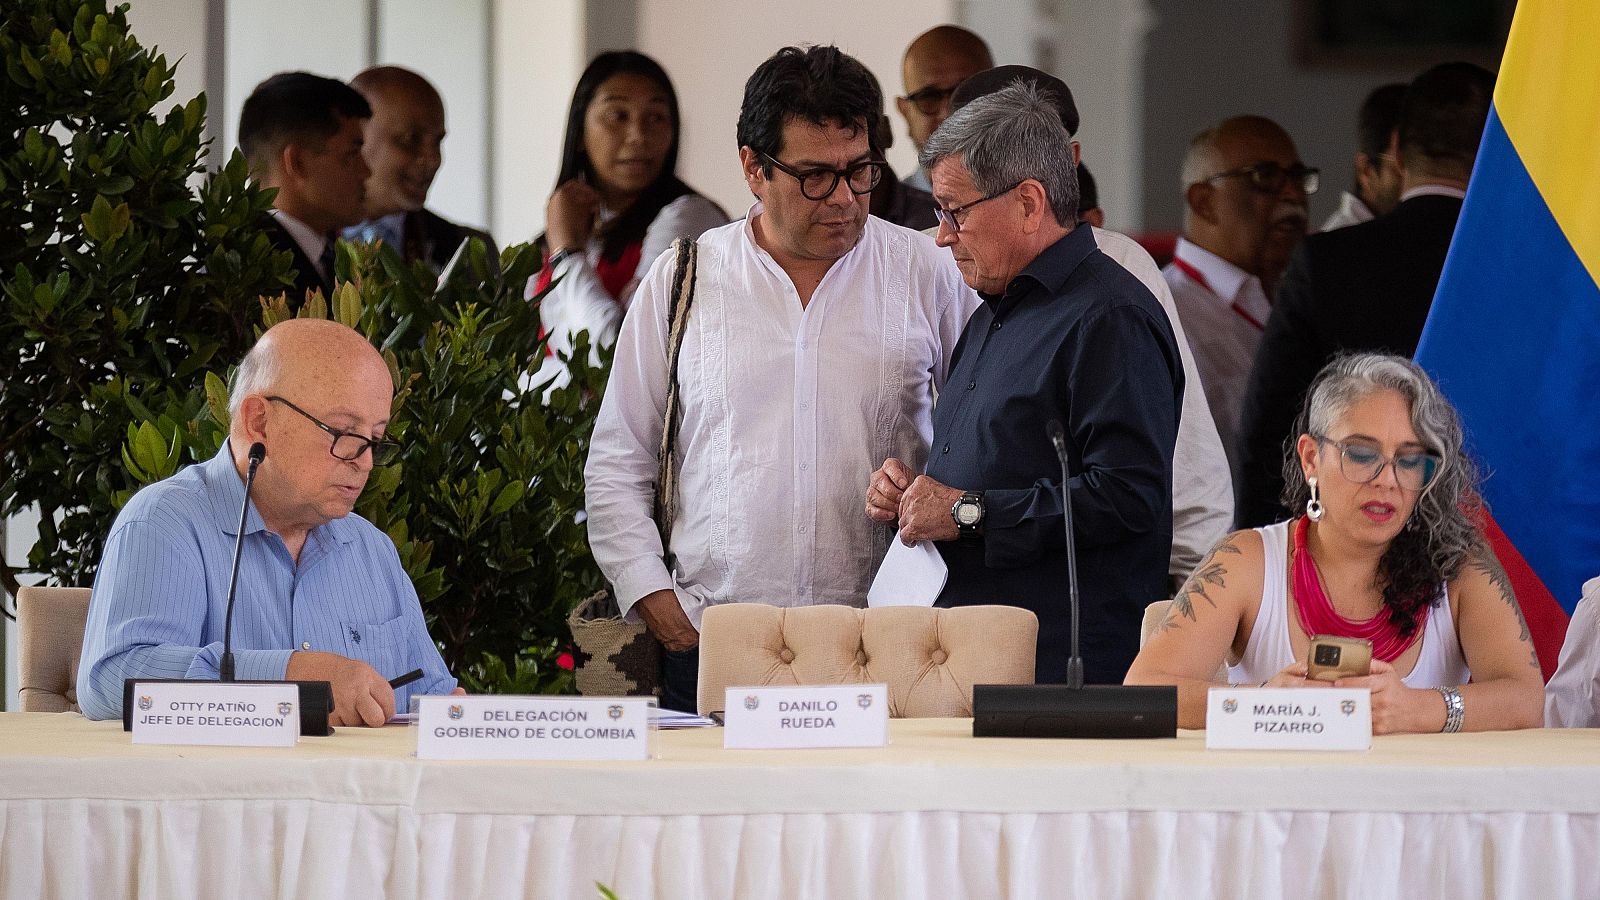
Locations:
(1066, 334)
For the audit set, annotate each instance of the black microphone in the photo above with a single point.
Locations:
(258, 452)
(1058, 437)
(1072, 710)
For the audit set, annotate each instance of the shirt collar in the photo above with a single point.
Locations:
(226, 488)
(311, 243)
(1351, 207)
(390, 229)
(1225, 279)
(1434, 190)
(1053, 266)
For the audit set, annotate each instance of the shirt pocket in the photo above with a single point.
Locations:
(380, 645)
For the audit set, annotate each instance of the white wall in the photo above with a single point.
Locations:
(445, 42)
(539, 52)
(710, 47)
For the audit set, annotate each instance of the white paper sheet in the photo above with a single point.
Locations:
(909, 576)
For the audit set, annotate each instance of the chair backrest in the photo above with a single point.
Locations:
(50, 622)
(929, 658)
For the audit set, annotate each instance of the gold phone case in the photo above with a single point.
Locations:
(1331, 658)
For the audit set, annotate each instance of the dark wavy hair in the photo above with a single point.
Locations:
(630, 226)
(820, 85)
(1443, 532)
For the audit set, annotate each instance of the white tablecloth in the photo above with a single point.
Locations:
(939, 813)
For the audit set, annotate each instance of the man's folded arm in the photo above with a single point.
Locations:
(146, 616)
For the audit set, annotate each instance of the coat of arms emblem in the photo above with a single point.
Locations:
(285, 708)
(1348, 707)
(145, 703)
(615, 712)
(864, 701)
(751, 701)
(455, 711)
(1230, 705)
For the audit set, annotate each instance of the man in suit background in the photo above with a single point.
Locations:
(302, 135)
(404, 147)
(1367, 286)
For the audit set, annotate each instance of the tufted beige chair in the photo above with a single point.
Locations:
(50, 622)
(929, 658)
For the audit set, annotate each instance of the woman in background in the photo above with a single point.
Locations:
(618, 203)
(1388, 550)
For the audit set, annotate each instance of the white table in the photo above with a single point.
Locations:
(83, 812)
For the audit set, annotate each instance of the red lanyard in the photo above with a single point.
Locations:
(1199, 279)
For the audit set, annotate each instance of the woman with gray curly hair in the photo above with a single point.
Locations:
(1388, 550)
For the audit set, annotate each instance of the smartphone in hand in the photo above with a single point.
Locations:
(1332, 658)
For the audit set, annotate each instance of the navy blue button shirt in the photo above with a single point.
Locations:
(1076, 338)
(162, 588)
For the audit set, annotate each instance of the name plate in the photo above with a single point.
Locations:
(1288, 719)
(773, 718)
(508, 727)
(216, 713)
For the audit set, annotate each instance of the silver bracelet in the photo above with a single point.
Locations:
(1454, 710)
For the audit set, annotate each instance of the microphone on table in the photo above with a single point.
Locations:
(258, 452)
(1073, 710)
(316, 697)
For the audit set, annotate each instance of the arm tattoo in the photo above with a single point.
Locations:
(1211, 573)
(1486, 562)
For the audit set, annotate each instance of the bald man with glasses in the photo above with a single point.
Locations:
(1245, 210)
(321, 593)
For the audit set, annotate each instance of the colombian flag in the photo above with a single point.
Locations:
(1513, 337)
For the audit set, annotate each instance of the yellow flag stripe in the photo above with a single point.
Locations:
(1548, 98)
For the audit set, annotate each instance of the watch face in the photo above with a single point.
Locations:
(967, 513)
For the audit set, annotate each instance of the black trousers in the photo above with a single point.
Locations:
(680, 677)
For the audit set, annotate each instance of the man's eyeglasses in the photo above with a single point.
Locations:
(819, 184)
(931, 100)
(952, 218)
(1362, 463)
(349, 446)
(1270, 178)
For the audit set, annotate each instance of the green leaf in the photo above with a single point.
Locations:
(217, 399)
(507, 498)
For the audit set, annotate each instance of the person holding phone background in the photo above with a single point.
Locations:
(618, 202)
(1388, 550)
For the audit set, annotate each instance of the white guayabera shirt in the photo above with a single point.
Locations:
(786, 413)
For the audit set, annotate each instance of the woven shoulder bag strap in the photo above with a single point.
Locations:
(684, 251)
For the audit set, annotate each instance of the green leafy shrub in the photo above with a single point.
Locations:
(119, 282)
(128, 294)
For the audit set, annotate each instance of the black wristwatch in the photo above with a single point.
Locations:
(968, 513)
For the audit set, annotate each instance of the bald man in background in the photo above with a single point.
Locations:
(404, 148)
(321, 593)
(936, 61)
(1244, 190)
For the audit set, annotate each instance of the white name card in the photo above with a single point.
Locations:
(1288, 719)
(216, 713)
(509, 727)
(771, 718)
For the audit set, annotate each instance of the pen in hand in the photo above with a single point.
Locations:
(407, 678)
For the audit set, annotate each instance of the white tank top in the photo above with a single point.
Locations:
(1269, 652)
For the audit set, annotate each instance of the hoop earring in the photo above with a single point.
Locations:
(1314, 505)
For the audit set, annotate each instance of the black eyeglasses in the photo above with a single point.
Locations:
(931, 100)
(1362, 463)
(349, 446)
(1270, 178)
(819, 184)
(951, 218)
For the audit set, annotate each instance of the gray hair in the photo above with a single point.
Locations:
(257, 374)
(1445, 516)
(1200, 161)
(1007, 137)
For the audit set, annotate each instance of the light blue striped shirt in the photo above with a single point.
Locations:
(162, 590)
